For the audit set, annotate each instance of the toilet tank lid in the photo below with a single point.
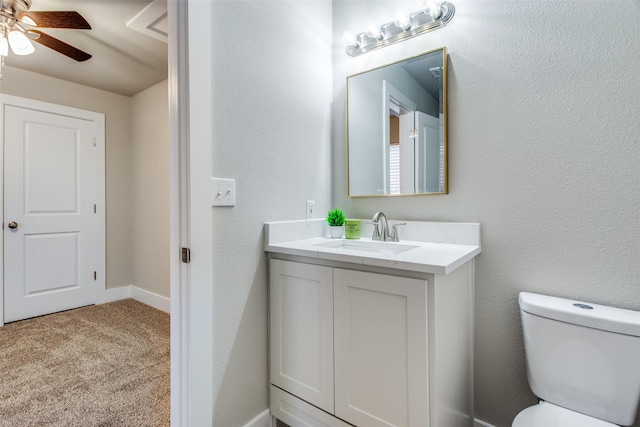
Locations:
(582, 313)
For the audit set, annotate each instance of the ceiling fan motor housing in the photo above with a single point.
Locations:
(13, 6)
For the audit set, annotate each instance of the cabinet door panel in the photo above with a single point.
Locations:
(381, 354)
(301, 299)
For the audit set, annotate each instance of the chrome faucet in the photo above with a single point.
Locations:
(381, 228)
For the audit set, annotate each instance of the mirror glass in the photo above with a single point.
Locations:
(397, 128)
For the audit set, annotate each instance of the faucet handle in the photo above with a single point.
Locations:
(394, 231)
(376, 230)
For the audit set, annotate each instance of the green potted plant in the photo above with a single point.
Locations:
(335, 219)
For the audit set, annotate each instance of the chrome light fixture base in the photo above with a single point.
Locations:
(420, 22)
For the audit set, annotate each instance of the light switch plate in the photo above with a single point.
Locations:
(311, 208)
(224, 192)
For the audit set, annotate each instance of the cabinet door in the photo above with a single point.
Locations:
(301, 303)
(381, 352)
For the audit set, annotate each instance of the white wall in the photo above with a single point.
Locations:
(149, 189)
(117, 111)
(544, 153)
(270, 90)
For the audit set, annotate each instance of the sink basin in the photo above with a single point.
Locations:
(367, 246)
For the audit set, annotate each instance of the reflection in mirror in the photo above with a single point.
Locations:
(397, 128)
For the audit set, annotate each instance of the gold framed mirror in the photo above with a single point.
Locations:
(397, 128)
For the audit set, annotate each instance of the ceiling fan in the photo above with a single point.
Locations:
(19, 26)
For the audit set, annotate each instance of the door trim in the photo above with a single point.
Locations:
(179, 215)
(100, 217)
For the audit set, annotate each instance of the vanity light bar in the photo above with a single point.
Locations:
(415, 24)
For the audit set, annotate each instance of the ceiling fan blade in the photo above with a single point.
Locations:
(58, 45)
(55, 19)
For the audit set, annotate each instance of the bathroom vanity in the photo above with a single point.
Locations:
(370, 333)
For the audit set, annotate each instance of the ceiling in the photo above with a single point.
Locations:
(124, 60)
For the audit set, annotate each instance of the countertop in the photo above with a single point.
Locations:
(434, 257)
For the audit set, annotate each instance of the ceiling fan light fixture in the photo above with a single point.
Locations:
(25, 19)
(20, 44)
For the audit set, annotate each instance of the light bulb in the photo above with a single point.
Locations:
(433, 8)
(373, 31)
(349, 39)
(20, 44)
(403, 19)
(4, 46)
(28, 20)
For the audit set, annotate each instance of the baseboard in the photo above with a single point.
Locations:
(113, 294)
(262, 420)
(149, 298)
(138, 294)
(478, 423)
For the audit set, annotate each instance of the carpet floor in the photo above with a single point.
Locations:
(103, 365)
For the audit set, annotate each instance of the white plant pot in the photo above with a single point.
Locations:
(336, 231)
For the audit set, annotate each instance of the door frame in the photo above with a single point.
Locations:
(178, 207)
(100, 216)
(392, 95)
(190, 106)
(186, 380)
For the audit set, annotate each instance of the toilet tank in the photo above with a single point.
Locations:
(583, 356)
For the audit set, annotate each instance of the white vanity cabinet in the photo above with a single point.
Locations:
(370, 348)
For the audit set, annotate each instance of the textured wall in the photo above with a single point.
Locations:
(544, 153)
(117, 111)
(271, 95)
(149, 194)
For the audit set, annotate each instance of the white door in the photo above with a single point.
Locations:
(427, 152)
(49, 212)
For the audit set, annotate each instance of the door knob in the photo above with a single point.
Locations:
(13, 225)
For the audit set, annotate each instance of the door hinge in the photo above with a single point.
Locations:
(94, 141)
(95, 209)
(186, 255)
(95, 275)
(413, 133)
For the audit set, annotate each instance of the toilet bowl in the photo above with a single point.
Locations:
(546, 414)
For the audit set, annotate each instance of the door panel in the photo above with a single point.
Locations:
(50, 187)
(50, 169)
(301, 309)
(381, 354)
(51, 262)
(427, 154)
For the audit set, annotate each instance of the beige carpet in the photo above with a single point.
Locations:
(105, 365)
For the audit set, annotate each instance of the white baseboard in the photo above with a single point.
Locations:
(479, 423)
(149, 298)
(113, 294)
(138, 294)
(261, 420)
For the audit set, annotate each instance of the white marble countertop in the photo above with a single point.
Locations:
(443, 246)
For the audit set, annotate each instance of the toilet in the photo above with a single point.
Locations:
(582, 362)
